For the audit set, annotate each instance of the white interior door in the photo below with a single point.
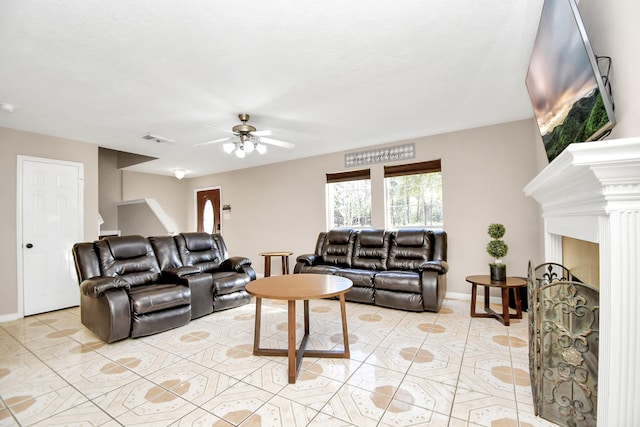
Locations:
(51, 222)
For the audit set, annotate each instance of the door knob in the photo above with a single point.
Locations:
(29, 245)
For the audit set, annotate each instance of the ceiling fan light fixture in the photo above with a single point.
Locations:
(179, 173)
(228, 147)
(246, 139)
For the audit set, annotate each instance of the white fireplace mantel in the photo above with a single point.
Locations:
(591, 191)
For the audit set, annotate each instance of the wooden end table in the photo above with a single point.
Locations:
(267, 261)
(292, 287)
(512, 283)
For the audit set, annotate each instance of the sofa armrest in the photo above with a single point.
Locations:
(107, 315)
(440, 267)
(434, 289)
(308, 259)
(236, 263)
(97, 286)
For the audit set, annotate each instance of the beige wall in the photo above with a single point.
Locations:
(172, 195)
(12, 144)
(139, 218)
(282, 206)
(110, 188)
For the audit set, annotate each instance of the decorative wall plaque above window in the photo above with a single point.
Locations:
(380, 155)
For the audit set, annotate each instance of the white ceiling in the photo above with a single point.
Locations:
(326, 75)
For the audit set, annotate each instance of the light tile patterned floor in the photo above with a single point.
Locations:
(406, 369)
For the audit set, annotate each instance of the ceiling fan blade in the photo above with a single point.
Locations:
(277, 143)
(220, 129)
(261, 133)
(215, 141)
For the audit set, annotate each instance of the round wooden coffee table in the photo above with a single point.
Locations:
(292, 287)
(485, 280)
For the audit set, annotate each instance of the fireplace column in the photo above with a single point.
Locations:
(620, 349)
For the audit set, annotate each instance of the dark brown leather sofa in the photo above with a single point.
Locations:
(404, 269)
(132, 286)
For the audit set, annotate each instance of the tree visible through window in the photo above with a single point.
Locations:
(414, 195)
(349, 199)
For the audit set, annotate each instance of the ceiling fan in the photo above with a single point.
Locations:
(246, 138)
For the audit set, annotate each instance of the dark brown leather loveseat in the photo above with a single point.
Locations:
(132, 286)
(404, 269)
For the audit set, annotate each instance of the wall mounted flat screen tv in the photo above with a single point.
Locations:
(570, 102)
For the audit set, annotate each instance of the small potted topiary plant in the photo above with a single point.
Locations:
(497, 248)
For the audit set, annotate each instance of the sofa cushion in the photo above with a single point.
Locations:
(409, 249)
(198, 249)
(371, 250)
(128, 257)
(360, 278)
(400, 281)
(225, 282)
(360, 294)
(198, 241)
(338, 247)
(125, 247)
(159, 321)
(166, 252)
(400, 300)
(150, 298)
(234, 299)
(409, 237)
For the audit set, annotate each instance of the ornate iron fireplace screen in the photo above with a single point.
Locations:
(563, 346)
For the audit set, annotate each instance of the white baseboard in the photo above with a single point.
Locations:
(10, 317)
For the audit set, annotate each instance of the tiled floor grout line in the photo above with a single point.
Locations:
(13, 416)
(455, 391)
(515, 391)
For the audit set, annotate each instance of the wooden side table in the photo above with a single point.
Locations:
(512, 283)
(267, 261)
(291, 288)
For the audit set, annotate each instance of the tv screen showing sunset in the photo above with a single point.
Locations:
(562, 85)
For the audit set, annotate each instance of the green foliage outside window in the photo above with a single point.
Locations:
(349, 203)
(414, 200)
